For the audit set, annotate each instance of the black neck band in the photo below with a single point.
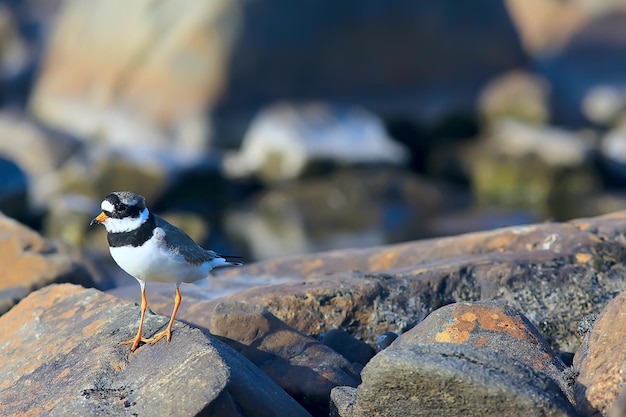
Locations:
(135, 237)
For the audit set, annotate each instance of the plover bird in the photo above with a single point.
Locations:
(151, 249)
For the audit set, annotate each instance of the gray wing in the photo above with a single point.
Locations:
(180, 243)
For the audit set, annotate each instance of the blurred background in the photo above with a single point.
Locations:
(271, 127)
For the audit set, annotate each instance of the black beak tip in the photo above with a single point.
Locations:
(94, 221)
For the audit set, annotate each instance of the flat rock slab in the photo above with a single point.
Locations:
(601, 362)
(28, 261)
(60, 355)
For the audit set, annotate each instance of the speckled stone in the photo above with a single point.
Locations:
(60, 355)
(464, 359)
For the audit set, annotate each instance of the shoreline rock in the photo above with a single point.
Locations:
(74, 364)
(29, 261)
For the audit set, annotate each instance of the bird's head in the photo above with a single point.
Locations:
(122, 211)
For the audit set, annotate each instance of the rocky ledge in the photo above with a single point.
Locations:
(491, 323)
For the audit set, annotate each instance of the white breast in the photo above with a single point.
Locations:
(151, 262)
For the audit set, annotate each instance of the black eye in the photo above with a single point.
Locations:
(120, 207)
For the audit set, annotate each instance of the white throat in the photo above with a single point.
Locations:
(126, 224)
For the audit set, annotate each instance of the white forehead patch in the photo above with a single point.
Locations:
(107, 206)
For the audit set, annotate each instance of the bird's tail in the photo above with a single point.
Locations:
(232, 260)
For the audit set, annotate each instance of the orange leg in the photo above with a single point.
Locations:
(138, 338)
(168, 331)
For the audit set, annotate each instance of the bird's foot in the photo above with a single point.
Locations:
(135, 342)
(165, 333)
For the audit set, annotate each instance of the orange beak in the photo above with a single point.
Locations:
(101, 218)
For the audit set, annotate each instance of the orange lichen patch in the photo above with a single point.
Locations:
(488, 320)
(460, 328)
(583, 258)
(458, 331)
(452, 335)
(469, 316)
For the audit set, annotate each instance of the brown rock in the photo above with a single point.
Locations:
(305, 368)
(491, 326)
(60, 355)
(447, 379)
(601, 360)
(29, 262)
(555, 272)
(465, 359)
(312, 306)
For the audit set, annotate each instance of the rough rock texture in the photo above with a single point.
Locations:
(305, 368)
(312, 306)
(60, 355)
(448, 379)
(491, 326)
(341, 401)
(556, 273)
(28, 261)
(466, 359)
(601, 361)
